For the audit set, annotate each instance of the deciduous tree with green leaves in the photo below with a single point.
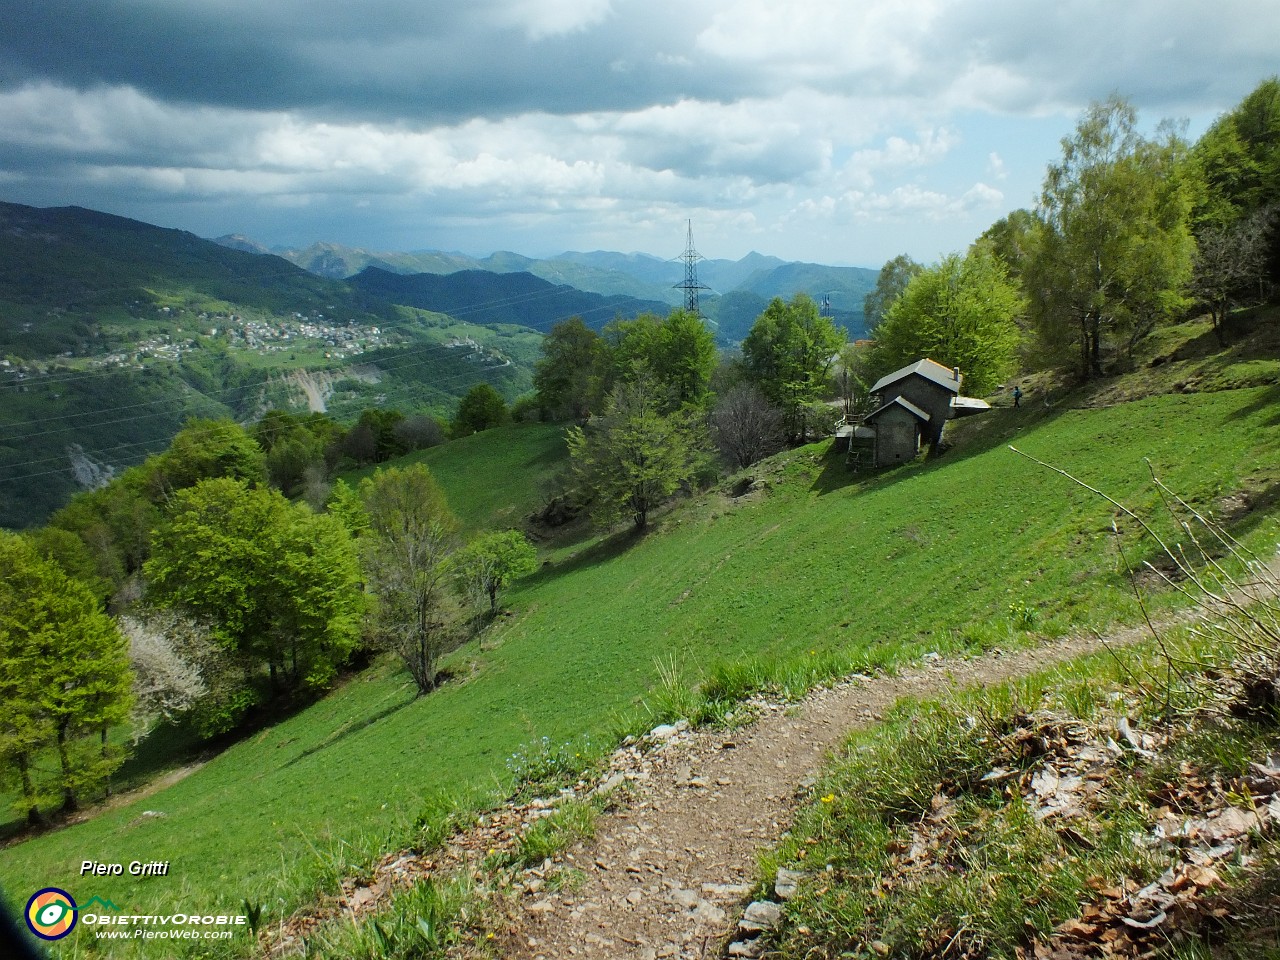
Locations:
(273, 580)
(1239, 157)
(678, 351)
(570, 376)
(491, 561)
(635, 456)
(410, 535)
(890, 282)
(961, 313)
(686, 357)
(788, 354)
(205, 449)
(1115, 249)
(64, 681)
(480, 408)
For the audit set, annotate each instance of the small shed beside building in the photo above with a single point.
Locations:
(914, 405)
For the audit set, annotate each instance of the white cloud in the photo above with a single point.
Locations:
(906, 202)
(824, 38)
(762, 119)
(549, 18)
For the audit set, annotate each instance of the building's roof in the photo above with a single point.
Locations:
(944, 377)
(968, 406)
(907, 405)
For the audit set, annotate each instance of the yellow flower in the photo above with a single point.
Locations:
(830, 797)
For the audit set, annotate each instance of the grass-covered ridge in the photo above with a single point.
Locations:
(496, 478)
(940, 557)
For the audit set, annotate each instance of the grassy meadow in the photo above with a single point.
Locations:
(496, 478)
(821, 573)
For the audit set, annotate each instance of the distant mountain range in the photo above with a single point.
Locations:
(485, 297)
(635, 275)
(113, 331)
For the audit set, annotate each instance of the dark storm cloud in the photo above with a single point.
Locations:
(394, 59)
(571, 122)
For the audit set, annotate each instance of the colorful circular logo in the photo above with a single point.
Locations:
(51, 913)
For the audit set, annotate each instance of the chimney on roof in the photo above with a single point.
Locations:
(955, 372)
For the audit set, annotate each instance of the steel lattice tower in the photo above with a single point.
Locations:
(690, 285)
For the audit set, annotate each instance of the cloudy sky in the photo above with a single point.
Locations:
(838, 131)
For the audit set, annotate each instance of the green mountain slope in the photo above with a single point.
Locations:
(484, 297)
(823, 568)
(113, 332)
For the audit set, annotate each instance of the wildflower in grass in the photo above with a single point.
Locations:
(829, 798)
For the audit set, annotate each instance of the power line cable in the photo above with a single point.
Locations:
(158, 440)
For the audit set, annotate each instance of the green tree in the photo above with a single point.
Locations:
(788, 353)
(891, 281)
(1115, 249)
(115, 524)
(480, 408)
(570, 375)
(634, 457)
(64, 680)
(960, 313)
(205, 449)
(294, 446)
(73, 555)
(678, 351)
(1013, 239)
(375, 437)
(1239, 157)
(411, 534)
(686, 357)
(491, 561)
(854, 377)
(631, 346)
(274, 581)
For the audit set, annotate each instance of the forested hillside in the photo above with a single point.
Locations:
(737, 289)
(114, 332)
(479, 296)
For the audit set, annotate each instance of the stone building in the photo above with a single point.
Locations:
(914, 405)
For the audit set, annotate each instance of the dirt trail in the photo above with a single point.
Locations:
(667, 874)
(671, 866)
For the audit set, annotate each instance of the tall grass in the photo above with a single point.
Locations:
(918, 846)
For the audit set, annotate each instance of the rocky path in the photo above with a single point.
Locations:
(667, 874)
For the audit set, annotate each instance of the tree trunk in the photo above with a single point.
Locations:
(103, 735)
(34, 817)
(1218, 317)
(64, 759)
